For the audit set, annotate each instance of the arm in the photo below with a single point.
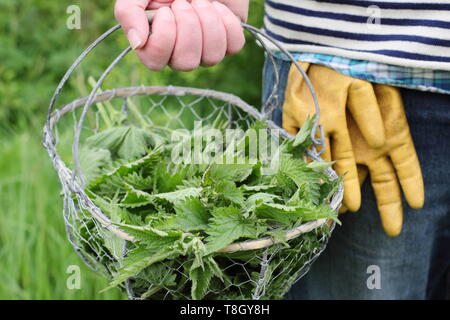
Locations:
(185, 34)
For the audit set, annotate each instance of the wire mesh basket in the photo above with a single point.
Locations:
(269, 268)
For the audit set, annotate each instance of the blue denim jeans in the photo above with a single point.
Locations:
(414, 265)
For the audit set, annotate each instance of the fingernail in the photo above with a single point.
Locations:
(183, 5)
(201, 3)
(133, 38)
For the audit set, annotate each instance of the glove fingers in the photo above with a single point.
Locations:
(387, 194)
(410, 175)
(343, 209)
(363, 172)
(403, 154)
(363, 105)
(342, 153)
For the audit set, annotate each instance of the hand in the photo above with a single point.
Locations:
(336, 93)
(396, 158)
(185, 34)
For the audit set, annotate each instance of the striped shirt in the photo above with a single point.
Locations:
(405, 33)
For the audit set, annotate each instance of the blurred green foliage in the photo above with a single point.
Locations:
(36, 48)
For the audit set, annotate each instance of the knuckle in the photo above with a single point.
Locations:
(160, 49)
(120, 11)
(184, 66)
(212, 59)
(235, 49)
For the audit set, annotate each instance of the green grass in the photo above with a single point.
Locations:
(34, 251)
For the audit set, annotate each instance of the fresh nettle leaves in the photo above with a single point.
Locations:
(183, 215)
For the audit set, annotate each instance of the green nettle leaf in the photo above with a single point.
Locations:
(286, 215)
(92, 160)
(179, 195)
(159, 276)
(227, 225)
(110, 139)
(305, 132)
(320, 165)
(113, 243)
(138, 181)
(180, 216)
(256, 188)
(191, 215)
(157, 137)
(169, 181)
(201, 277)
(135, 144)
(279, 235)
(260, 197)
(137, 261)
(152, 239)
(136, 198)
(147, 162)
(327, 190)
(229, 191)
(302, 176)
(230, 172)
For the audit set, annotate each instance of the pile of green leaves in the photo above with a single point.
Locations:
(182, 215)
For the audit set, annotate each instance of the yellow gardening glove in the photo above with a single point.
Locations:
(336, 93)
(396, 158)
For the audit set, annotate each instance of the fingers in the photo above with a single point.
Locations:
(363, 172)
(238, 7)
(362, 104)
(131, 15)
(190, 34)
(157, 52)
(156, 4)
(387, 193)
(214, 33)
(343, 209)
(187, 53)
(342, 153)
(409, 173)
(403, 153)
(234, 33)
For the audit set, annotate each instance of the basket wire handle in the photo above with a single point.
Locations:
(259, 35)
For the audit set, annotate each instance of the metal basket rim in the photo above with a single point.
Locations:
(66, 175)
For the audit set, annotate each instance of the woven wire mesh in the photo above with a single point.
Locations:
(267, 272)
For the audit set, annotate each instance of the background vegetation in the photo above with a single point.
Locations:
(35, 50)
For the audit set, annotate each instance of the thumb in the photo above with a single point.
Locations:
(131, 15)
